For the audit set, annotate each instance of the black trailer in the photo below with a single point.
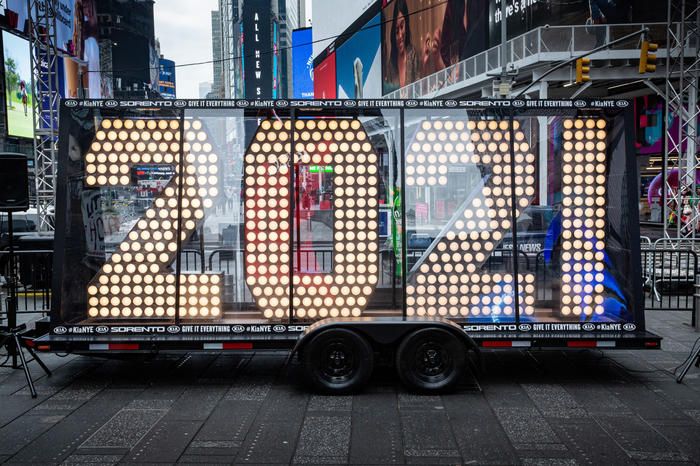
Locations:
(241, 225)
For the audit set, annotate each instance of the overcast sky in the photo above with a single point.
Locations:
(184, 30)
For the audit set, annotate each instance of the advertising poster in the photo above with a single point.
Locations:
(166, 80)
(338, 15)
(525, 15)
(17, 71)
(91, 49)
(257, 42)
(650, 127)
(75, 79)
(302, 64)
(324, 78)
(358, 63)
(421, 37)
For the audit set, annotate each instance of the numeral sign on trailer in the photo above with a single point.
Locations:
(448, 280)
(344, 145)
(136, 282)
(584, 178)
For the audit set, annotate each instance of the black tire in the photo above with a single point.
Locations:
(431, 360)
(337, 361)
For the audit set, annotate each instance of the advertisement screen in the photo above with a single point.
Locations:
(18, 86)
(257, 41)
(302, 64)
(166, 80)
(338, 15)
(324, 78)
(524, 16)
(75, 80)
(423, 36)
(358, 65)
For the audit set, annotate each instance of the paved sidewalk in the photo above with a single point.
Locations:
(535, 408)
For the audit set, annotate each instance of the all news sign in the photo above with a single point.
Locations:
(257, 47)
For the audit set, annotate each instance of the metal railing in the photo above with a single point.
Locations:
(546, 43)
(34, 272)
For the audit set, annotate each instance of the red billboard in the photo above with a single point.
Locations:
(324, 78)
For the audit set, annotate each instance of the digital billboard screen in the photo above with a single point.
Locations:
(421, 37)
(257, 44)
(302, 64)
(358, 63)
(166, 79)
(324, 78)
(524, 16)
(18, 86)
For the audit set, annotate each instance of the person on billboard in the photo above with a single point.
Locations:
(403, 60)
(23, 95)
(608, 12)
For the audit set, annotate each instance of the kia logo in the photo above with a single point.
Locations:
(623, 103)
(411, 103)
(518, 103)
(101, 329)
(174, 329)
(630, 327)
(60, 330)
(111, 103)
(70, 103)
(238, 329)
(180, 103)
(450, 103)
(588, 326)
(580, 103)
(279, 328)
(282, 103)
(525, 327)
(242, 103)
(350, 103)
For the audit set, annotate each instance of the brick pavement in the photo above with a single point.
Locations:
(535, 408)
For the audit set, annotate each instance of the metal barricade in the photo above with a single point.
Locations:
(669, 277)
(33, 272)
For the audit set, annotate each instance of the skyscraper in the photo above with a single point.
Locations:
(217, 88)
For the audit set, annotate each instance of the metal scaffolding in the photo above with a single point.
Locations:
(44, 62)
(681, 141)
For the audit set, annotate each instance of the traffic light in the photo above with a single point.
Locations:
(647, 61)
(583, 67)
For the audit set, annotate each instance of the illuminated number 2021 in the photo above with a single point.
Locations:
(135, 281)
(447, 280)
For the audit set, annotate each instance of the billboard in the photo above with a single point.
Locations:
(257, 43)
(166, 79)
(75, 79)
(302, 64)
(18, 86)
(358, 63)
(324, 78)
(338, 15)
(526, 15)
(423, 36)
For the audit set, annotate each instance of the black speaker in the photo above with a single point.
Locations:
(14, 182)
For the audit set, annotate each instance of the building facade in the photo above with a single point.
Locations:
(126, 28)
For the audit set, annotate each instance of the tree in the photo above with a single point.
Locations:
(11, 79)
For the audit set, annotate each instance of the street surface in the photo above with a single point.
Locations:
(537, 408)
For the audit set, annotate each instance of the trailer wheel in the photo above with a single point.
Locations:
(338, 361)
(430, 360)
